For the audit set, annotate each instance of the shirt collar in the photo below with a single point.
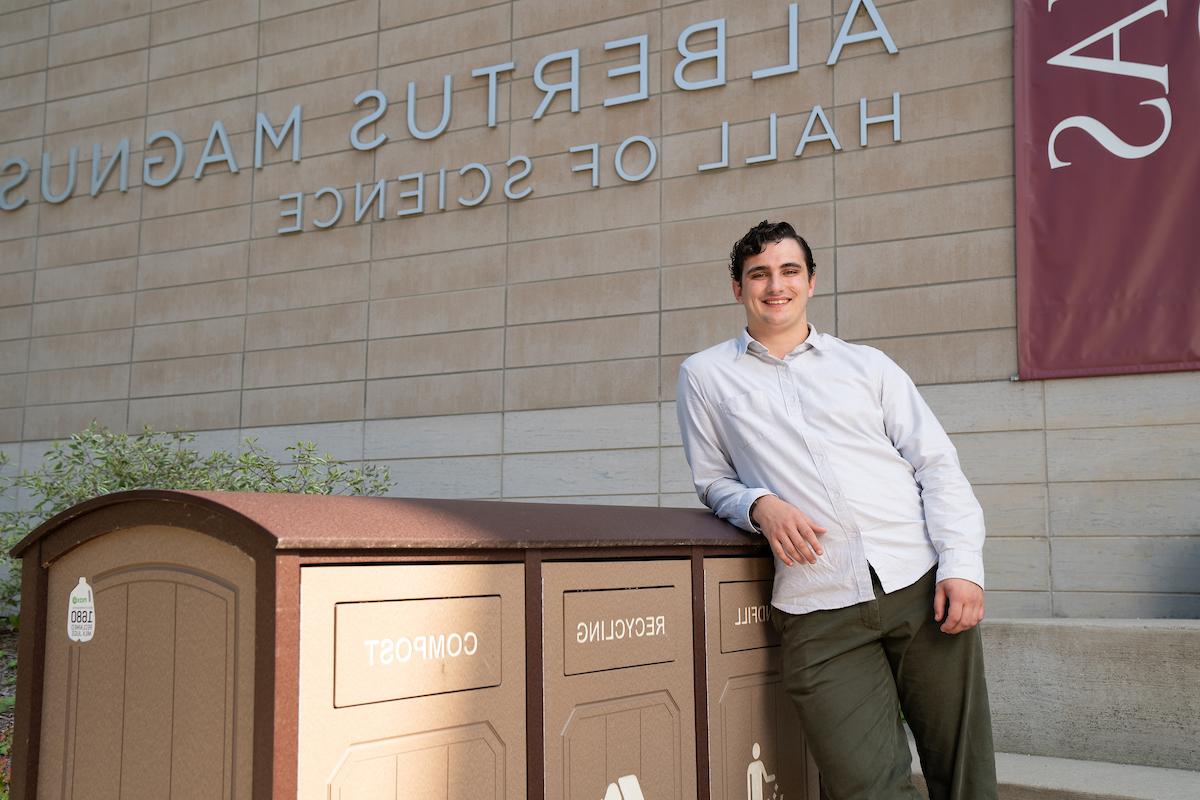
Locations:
(747, 343)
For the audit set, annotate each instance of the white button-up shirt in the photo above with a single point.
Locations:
(839, 431)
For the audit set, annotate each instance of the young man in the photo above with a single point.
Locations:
(827, 449)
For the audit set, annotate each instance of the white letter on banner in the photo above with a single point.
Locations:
(689, 56)
(619, 159)
(149, 161)
(1109, 140)
(48, 195)
(22, 173)
(263, 125)
(487, 183)
(1114, 65)
(793, 64)
(381, 100)
(593, 165)
(640, 69)
(99, 177)
(528, 168)
(447, 91)
(864, 120)
(208, 157)
(808, 136)
(844, 37)
(552, 89)
(491, 73)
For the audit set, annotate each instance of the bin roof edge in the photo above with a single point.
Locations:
(323, 522)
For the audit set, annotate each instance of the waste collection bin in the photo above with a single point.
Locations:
(424, 696)
(619, 683)
(753, 726)
(209, 645)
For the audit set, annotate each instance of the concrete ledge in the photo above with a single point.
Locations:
(1041, 778)
(1121, 691)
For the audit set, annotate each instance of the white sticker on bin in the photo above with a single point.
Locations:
(81, 613)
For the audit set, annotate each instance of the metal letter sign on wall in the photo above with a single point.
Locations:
(1108, 186)
(435, 188)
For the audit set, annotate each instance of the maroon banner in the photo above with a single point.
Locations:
(1107, 99)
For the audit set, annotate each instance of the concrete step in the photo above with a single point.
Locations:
(1024, 777)
(1119, 691)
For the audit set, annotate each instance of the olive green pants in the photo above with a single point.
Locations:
(850, 672)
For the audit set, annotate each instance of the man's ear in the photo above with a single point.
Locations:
(812, 284)
(737, 290)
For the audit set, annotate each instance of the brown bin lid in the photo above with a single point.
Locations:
(321, 522)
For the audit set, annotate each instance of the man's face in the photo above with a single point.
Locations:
(775, 289)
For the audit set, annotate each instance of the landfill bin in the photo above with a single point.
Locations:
(755, 739)
(211, 645)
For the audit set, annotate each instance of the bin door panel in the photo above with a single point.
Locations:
(756, 744)
(461, 763)
(158, 703)
(412, 682)
(619, 680)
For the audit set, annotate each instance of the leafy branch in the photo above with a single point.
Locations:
(98, 461)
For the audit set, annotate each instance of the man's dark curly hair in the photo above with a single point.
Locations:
(760, 236)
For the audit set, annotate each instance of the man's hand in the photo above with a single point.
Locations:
(793, 536)
(959, 602)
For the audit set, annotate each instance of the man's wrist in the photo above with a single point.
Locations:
(961, 563)
(750, 514)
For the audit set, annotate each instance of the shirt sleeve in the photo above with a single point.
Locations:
(952, 514)
(716, 481)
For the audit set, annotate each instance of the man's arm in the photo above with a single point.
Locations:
(715, 480)
(952, 514)
(791, 534)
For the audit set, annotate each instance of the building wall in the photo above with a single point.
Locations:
(528, 348)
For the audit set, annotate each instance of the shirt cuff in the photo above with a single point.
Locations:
(957, 563)
(747, 499)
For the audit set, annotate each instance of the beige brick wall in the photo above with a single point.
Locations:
(527, 349)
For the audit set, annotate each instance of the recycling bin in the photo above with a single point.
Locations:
(291, 647)
(618, 686)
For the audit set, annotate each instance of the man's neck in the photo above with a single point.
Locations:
(780, 343)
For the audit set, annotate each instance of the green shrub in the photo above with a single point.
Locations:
(97, 461)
